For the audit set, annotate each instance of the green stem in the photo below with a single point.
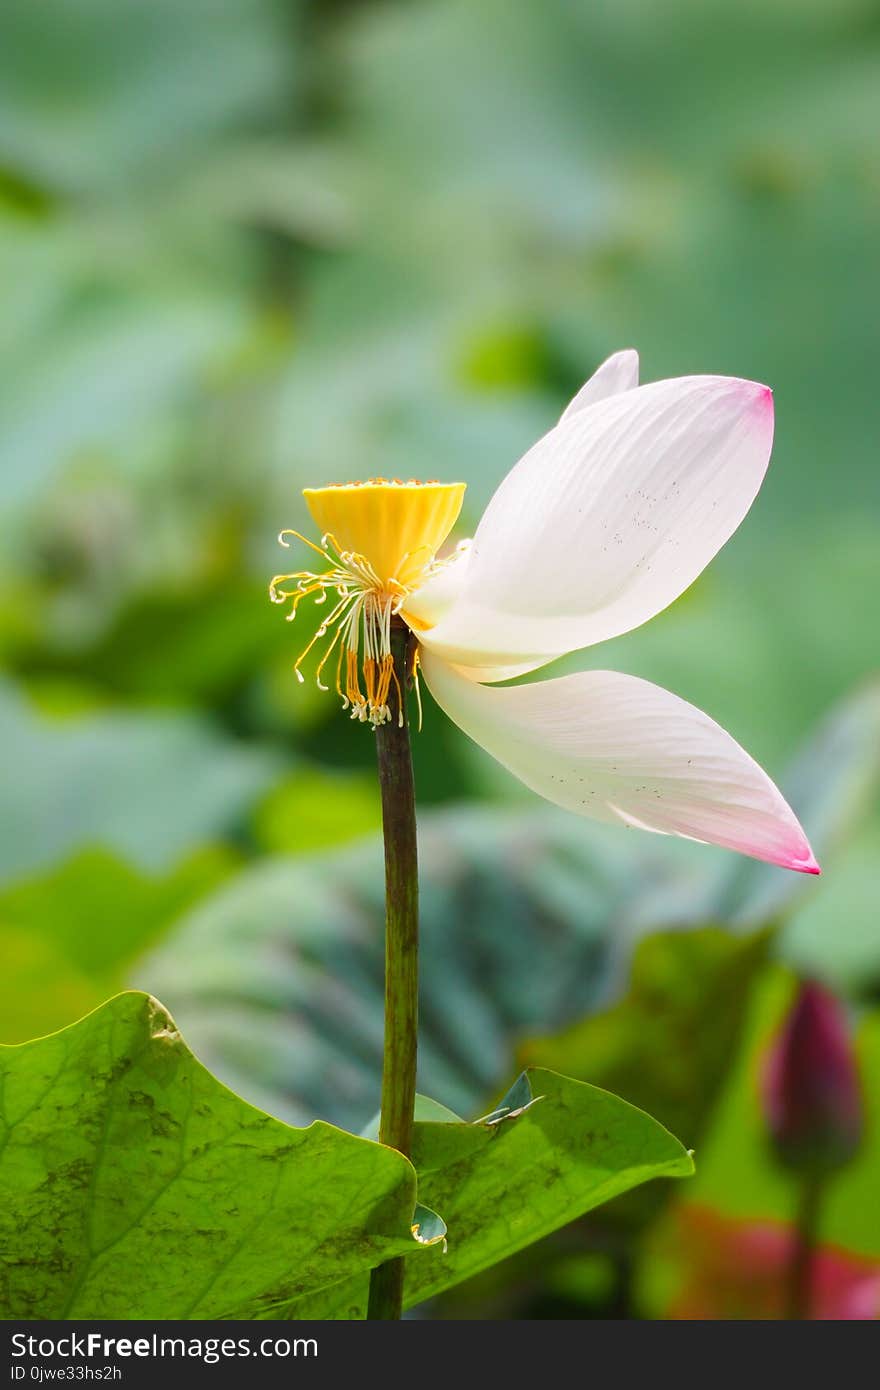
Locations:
(401, 955)
(798, 1301)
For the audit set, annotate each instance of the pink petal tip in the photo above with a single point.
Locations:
(801, 865)
(761, 395)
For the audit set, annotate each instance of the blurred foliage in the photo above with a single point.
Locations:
(69, 938)
(277, 978)
(739, 1179)
(247, 245)
(528, 920)
(710, 1266)
(666, 1045)
(737, 1172)
(150, 788)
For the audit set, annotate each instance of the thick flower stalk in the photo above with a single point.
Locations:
(601, 525)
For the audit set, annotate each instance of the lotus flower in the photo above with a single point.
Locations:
(601, 525)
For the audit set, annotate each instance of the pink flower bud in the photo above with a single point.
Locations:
(812, 1097)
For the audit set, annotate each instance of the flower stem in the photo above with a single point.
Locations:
(799, 1275)
(401, 954)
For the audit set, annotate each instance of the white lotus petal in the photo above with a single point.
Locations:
(425, 607)
(433, 600)
(617, 373)
(428, 604)
(607, 519)
(617, 748)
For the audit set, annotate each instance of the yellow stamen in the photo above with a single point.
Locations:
(352, 689)
(379, 543)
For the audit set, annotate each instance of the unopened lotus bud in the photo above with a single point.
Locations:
(812, 1097)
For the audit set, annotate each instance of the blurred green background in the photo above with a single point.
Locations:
(249, 245)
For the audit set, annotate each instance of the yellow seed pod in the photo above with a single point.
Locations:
(397, 527)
